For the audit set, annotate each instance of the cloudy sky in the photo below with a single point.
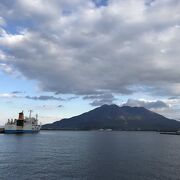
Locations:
(63, 57)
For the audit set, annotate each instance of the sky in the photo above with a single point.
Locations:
(61, 58)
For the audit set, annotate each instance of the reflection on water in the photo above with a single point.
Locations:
(90, 155)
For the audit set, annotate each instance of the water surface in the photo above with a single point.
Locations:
(90, 155)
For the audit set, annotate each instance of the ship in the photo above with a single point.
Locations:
(22, 124)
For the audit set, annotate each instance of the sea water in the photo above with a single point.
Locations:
(90, 155)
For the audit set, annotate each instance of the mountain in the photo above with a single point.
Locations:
(116, 118)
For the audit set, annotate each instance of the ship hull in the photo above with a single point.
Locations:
(20, 131)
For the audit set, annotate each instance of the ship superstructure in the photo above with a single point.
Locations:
(23, 124)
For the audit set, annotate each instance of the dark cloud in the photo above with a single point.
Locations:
(60, 106)
(147, 104)
(17, 92)
(174, 98)
(149, 2)
(72, 98)
(98, 100)
(44, 98)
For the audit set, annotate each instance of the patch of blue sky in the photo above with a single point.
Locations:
(9, 83)
(17, 26)
(100, 3)
(74, 107)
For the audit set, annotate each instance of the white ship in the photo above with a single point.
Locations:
(22, 125)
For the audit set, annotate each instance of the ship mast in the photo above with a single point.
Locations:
(30, 112)
(36, 117)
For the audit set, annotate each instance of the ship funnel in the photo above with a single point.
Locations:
(21, 116)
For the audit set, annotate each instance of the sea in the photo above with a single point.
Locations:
(90, 155)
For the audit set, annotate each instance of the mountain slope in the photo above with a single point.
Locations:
(116, 118)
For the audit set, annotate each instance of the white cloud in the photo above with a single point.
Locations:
(153, 105)
(10, 40)
(168, 107)
(8, 95)
(76, 47)
(2, 21)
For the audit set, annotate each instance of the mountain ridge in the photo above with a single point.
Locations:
(116, 118)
